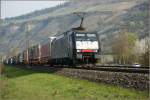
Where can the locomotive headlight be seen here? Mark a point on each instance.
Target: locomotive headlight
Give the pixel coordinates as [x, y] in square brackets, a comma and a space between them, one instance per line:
[95, 50]
[78, 50]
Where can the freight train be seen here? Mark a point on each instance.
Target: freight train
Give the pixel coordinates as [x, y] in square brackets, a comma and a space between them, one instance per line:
[69, 48]
[76, 46]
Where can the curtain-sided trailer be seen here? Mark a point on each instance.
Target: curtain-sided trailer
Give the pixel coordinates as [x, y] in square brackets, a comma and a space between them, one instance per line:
[46, 52]
[34, 55]
[39, 54]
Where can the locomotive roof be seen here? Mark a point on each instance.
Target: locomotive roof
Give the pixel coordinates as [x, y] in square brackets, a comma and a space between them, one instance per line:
[76, 31]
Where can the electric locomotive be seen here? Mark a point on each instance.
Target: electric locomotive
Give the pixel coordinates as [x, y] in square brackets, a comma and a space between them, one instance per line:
[75, 47]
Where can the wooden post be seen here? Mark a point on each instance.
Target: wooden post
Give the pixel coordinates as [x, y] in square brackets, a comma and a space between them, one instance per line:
[1, 66]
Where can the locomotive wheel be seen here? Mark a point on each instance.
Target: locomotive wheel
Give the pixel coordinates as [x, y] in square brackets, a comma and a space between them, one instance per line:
[74, 62]
[71, 63]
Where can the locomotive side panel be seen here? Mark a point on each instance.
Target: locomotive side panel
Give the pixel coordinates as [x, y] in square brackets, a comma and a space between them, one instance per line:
[71, 45]
[61, 49]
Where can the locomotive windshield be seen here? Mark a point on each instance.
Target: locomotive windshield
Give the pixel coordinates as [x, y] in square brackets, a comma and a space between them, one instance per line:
[86, 37]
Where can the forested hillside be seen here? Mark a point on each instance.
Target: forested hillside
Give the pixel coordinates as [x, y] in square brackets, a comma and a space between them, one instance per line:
[107, 17]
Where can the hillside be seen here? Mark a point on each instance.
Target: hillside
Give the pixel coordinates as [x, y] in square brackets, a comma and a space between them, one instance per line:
[107, 17]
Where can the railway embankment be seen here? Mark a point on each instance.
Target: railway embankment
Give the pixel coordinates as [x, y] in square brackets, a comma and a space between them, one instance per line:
[138, 81]
[125, 77]
[42, 84]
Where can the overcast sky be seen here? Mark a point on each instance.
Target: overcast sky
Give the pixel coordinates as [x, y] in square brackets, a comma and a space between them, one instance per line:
[17, 8]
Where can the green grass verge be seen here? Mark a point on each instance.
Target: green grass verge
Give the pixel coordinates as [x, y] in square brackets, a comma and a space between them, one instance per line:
[23, 84]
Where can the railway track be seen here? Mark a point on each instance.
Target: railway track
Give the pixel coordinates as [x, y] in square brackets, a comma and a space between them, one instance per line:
[128, 69]
[117, 69]
[100, 68]
[123, 66]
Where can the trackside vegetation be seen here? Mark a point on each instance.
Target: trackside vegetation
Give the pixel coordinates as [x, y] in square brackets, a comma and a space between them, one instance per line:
[25, 84]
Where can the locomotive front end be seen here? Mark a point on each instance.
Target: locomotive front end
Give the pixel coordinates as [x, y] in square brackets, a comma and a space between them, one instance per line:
[87, 47]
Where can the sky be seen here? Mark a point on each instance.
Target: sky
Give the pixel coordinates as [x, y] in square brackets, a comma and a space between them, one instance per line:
[17, 8]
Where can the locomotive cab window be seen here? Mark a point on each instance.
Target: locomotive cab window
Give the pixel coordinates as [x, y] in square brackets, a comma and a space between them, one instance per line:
[91, 37]
[86, 37]
[80, 36]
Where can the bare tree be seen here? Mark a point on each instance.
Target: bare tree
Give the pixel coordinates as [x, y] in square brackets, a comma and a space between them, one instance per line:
[144, 59]
[122, 47]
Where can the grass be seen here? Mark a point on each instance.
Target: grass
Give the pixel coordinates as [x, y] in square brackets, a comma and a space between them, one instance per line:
[24, 84]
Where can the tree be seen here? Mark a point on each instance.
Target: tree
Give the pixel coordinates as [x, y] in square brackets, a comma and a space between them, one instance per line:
[123, 46]
[144, 59]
